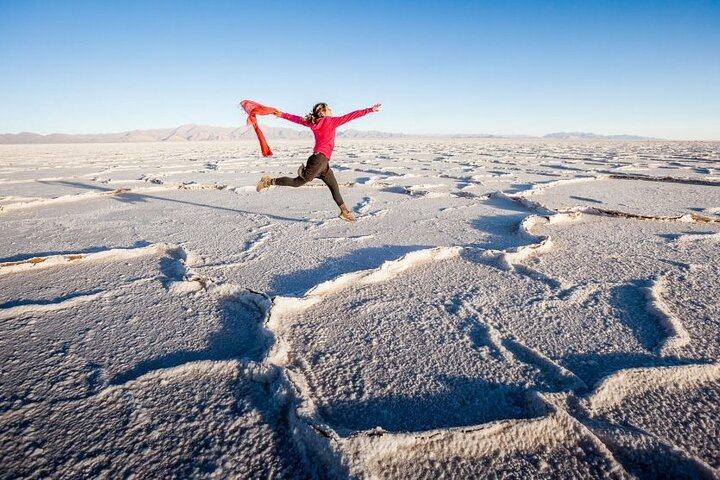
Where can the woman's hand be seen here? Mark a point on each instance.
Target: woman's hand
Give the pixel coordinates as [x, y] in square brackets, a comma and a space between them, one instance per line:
[277, 113]
[376, 107]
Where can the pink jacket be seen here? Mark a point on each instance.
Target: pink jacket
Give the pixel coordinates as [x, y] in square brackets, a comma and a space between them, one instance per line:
[324, 129]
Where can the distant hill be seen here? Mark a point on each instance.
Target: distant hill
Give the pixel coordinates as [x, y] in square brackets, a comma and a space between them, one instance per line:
[183, 133]
[595, 136]
[203, 133]
[351, 133]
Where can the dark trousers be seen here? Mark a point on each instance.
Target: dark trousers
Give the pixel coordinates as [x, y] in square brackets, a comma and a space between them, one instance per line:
[317, 166]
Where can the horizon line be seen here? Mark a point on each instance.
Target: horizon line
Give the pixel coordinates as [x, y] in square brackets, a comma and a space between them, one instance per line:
[424, 134]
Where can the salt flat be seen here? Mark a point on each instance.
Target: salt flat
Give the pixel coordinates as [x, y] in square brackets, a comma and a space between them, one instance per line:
[529, 308]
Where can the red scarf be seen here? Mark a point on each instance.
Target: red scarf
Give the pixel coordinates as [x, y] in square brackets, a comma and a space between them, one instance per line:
[253, 109]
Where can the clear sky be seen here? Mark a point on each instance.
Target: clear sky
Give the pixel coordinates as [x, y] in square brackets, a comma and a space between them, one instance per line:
[502, 67]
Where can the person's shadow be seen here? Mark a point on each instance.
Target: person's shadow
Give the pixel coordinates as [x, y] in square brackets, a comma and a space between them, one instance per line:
[136, 197]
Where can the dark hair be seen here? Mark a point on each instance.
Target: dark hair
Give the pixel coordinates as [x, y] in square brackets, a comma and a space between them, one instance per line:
[314, 116]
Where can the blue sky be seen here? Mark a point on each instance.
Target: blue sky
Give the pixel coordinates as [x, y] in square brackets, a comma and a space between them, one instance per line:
[502, 67]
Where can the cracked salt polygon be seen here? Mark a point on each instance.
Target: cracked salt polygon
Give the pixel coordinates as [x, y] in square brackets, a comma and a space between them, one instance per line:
[399, 346]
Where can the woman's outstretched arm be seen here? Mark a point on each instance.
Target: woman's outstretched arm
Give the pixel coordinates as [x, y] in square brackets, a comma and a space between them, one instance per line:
[337, 121]
[292, 118]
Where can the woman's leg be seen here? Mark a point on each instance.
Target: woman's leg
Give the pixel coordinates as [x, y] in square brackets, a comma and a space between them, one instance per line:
[315, 164]
[288, 182]
[329, 178]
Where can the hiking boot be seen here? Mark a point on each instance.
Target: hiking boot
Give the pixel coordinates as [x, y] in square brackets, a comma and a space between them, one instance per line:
[346, 214]
[264, 183]
[301, 171]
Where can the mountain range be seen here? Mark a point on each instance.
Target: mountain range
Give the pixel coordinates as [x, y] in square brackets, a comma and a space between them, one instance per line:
[595, 136]
[200, 133]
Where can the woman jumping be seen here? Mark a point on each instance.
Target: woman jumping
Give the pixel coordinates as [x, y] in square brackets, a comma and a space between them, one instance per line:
[323, 125]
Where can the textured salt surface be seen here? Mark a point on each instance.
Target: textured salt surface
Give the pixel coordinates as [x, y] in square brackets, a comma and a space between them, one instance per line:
[532, 309]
